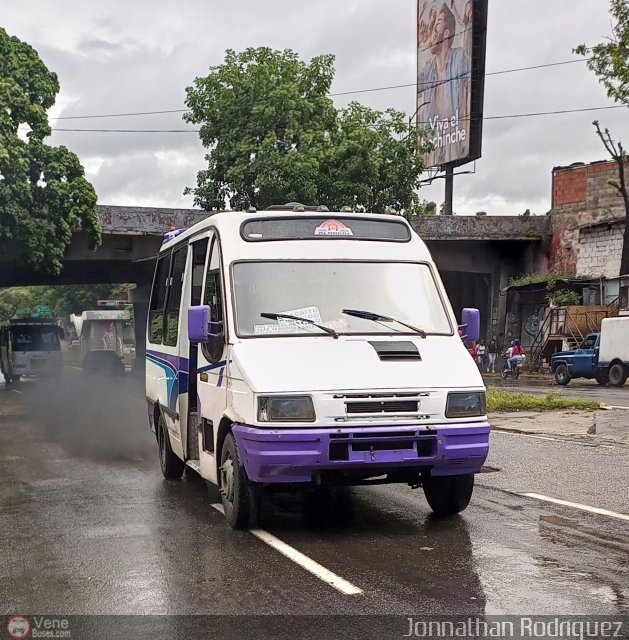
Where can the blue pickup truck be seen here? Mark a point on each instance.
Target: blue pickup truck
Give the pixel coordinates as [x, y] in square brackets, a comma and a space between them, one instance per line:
[580, 363]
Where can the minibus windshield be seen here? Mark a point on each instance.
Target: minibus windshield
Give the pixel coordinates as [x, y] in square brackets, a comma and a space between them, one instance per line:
[320, 292]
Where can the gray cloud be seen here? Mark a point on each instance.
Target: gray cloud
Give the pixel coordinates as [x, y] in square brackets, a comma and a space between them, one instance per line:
[140, 56]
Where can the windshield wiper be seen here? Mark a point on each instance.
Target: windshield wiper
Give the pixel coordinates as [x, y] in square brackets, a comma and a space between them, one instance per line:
[376, 317]
[275, 316]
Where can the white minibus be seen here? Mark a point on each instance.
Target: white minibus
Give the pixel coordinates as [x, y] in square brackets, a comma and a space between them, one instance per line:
[31, 347]
[303, 348]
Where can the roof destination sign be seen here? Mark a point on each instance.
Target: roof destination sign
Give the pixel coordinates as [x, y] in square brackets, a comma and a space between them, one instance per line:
[324, 228]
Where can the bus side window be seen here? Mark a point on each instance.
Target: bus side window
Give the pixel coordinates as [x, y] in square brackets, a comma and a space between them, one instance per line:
[173, 302]
[199, 252]
[214, 299]
[158, 300]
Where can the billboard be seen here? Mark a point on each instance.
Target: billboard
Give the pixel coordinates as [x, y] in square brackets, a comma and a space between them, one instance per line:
[451, 38]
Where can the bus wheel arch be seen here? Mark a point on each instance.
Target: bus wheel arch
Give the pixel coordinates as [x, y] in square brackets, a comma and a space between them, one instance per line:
[171, 465]
[239, 495]
[224, 427]
[157, 414]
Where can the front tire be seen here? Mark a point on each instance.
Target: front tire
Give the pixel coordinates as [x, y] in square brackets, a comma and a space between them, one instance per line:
[172, 467]
[561, 375]
[237, 492]
[448, 495]
[617, 376]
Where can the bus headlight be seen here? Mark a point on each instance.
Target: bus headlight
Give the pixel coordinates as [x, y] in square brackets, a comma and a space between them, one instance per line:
[285, 409]
[466, 405]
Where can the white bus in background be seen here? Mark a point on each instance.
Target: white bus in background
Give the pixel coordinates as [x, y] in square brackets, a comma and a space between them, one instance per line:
[306, 348]
[31, 347]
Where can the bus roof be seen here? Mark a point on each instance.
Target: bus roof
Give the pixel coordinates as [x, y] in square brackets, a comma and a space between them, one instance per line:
[309, 234]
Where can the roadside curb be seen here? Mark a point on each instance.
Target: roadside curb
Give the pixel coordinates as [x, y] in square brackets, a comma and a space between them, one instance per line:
[591, 437]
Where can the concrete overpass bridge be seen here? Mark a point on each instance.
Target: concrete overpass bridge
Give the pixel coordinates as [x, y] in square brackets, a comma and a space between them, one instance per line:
[476, 255]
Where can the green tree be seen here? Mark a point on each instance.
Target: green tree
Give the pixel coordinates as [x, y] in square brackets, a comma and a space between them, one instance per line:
[16, 299]
[273, 135]
[67, 299]
[426, 208]
[609, 60]
[44, 195]
[370, 162]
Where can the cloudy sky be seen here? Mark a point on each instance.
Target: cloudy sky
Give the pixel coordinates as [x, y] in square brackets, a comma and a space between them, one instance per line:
[124, 56]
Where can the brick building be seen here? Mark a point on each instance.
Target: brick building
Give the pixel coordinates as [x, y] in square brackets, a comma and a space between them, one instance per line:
[588, 224]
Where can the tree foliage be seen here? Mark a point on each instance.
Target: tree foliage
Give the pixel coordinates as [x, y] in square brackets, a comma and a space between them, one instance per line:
[44, 195]
[273, 136]
[14, 300]
[63, 300]
[609, 60]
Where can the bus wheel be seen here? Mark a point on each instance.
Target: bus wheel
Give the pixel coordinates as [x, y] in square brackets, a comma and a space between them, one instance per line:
[172, 467]
[448, 495]
[237, 492]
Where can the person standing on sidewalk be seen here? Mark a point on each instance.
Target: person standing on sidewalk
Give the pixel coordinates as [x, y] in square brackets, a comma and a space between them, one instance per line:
[481, 353]
[493, 354]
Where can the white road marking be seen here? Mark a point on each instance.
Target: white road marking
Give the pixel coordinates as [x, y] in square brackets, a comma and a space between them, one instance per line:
[576, 505]
[302, 560]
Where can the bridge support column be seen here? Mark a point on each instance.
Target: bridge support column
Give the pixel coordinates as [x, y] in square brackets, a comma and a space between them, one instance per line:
[140, 296]
[502, 305]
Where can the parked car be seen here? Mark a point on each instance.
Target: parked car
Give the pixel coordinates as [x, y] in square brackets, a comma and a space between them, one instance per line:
[601, 356]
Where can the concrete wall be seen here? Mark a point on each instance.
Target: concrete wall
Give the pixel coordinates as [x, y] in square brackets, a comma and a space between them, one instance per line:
[599, 251]
[147, 220]
[483, 227]
[582, 197]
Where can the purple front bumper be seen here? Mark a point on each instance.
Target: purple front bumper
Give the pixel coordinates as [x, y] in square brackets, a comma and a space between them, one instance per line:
[293, 455]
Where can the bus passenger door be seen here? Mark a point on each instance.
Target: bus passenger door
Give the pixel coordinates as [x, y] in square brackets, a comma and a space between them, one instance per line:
[212, 365]
[190, 351]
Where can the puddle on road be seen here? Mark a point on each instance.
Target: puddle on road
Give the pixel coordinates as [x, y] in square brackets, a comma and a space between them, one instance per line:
[560, 522]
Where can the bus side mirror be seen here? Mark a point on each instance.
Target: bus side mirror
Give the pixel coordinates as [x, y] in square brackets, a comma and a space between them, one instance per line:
[470, 325]
[199, 324]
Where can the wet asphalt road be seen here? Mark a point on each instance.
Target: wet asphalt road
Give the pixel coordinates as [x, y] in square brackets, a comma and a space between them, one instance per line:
[88, 525]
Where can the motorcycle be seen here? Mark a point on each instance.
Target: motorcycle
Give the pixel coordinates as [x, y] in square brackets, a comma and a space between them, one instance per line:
[516, 366]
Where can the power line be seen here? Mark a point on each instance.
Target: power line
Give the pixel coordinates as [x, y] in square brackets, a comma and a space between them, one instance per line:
[120, 115]
[502, 117]
[132, 130]
[331, 95]
[433, 44]
[492, 73]
[539, 113]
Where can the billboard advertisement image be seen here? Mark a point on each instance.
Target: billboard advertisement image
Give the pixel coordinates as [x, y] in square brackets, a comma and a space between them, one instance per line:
[450, 77]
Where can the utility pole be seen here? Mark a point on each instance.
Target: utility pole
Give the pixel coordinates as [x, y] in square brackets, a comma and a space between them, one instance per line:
[447, 209]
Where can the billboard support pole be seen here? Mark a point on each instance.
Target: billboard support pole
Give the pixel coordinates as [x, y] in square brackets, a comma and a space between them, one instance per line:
[447, 209]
